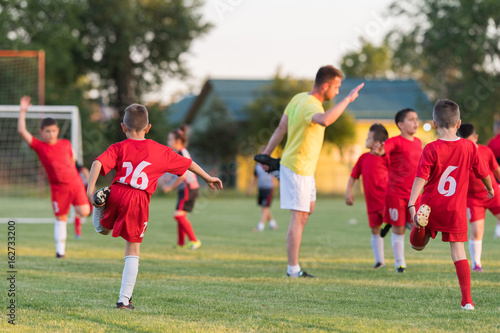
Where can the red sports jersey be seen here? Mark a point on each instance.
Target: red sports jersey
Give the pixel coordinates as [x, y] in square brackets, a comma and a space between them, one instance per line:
[374, 170]
[476, 187]
[139, 163]
[403, 156]
[494, 145]
[446, 166]
[57, 160]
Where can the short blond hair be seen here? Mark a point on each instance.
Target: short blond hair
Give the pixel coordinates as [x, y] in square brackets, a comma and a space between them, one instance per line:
[136, 117]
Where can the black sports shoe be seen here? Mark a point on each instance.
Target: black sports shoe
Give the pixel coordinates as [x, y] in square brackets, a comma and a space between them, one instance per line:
[101, 195]
[272, 163]
[385, 229]
[303, 274]
[129, 306]
[378, 265]
[60, 255]
[401, 269]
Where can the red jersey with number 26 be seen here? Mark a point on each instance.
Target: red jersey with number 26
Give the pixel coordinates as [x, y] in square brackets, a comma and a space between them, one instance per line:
[139, 163]
[446, 166]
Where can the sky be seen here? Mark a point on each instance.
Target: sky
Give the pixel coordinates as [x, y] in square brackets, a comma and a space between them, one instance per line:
[253, 39]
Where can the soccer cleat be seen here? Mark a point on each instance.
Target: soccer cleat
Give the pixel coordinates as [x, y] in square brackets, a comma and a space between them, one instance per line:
[385, 229]
[401, 269]
[302, 274]
[101, 195]
[477, 268]
[272, 163]
[62, 256]
[423, 215]
[129, 306]
[468, 306]
[193, 245]
[378, 265]
[178, 246]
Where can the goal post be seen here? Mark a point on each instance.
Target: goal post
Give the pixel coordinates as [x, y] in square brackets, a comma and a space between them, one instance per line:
[21, 172]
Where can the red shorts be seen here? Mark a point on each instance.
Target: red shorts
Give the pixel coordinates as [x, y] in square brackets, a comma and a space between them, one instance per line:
[396, 210]
[449, 236]
[127, 213]
[375, 219]
[64, 195]
[476, 208]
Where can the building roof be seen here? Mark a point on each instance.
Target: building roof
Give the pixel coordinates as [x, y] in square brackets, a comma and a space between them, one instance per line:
[379, 99]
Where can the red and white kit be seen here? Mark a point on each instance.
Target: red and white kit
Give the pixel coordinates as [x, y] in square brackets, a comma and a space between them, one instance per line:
[138, 165]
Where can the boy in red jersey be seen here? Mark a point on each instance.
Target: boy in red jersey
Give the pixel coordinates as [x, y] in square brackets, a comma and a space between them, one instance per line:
[374, 170]
[138, 163]
[443, 174]
[477, 201]
[402, 152]
[66, 186]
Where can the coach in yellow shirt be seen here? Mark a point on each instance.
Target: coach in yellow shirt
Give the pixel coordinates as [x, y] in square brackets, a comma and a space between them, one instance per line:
[305, 120]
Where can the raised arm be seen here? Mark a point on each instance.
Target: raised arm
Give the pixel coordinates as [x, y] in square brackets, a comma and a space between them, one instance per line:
[95, 169]
[332, 114]
[417, 188]
[213, 182]
[278, 135]
[21, 122]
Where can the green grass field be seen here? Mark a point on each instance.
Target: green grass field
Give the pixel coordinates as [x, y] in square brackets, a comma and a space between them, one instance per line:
[236, 281]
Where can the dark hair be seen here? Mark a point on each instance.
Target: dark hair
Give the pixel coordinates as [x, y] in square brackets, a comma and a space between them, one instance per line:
[379, 132]
[136, 117]
[48, 122]
[446, 113]
[466, 130]
[327, 73]
[401, 115]
[180, 134]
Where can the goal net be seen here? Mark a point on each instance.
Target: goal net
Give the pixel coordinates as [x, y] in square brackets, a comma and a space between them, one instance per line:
[21, 173]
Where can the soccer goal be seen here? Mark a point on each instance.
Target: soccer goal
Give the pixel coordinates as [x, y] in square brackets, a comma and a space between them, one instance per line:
[21, 173]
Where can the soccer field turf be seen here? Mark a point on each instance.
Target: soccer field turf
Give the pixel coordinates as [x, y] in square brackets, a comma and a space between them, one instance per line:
[236, 280]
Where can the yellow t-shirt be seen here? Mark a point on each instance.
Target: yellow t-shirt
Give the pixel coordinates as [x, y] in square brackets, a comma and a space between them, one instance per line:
[305, 138]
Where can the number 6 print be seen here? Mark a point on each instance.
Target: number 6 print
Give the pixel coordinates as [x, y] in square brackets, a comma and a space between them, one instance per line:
[446, 178]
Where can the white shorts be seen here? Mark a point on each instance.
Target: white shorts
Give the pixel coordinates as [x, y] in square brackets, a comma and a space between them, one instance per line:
[296, 191]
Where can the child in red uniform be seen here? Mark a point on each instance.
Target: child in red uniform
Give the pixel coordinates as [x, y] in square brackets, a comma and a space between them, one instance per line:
[477, 201]
[187, 194]
[402, 153]
[66, 187]
[138, 163]
[374, 170]
[443, 174]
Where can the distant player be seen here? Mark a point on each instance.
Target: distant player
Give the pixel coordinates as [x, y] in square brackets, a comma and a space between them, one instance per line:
[66, 187]
[494, 143]
[402, 153]
[374, 170]
[187, 186]
[265, 182]
[477, 201]
[443, 174]
[138, 163]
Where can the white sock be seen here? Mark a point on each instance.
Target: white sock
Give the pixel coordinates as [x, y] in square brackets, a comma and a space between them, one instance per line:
[130, 271]
[398, 248]
[97, 215]
[273, 224]
[293, 271]
[60, 234]
[377, 248]
[475, 249]
[261, 226]
[497, 231]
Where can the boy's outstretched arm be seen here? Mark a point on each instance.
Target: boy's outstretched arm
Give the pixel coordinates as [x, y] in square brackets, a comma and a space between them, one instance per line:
[21, 122]
[213, 182]
[95, 169]
[489, 188]
[349, 198]
[417, 188]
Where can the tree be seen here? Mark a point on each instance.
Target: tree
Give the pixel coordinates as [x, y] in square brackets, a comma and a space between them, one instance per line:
[370, 62]
[451, 47]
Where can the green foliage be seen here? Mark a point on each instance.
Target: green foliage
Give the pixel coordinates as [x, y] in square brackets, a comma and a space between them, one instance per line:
[370, 62]
[236, 281]
[342, 132]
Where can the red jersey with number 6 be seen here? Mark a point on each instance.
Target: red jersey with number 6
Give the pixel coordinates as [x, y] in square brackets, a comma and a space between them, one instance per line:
[139, 163]
[446, 166]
